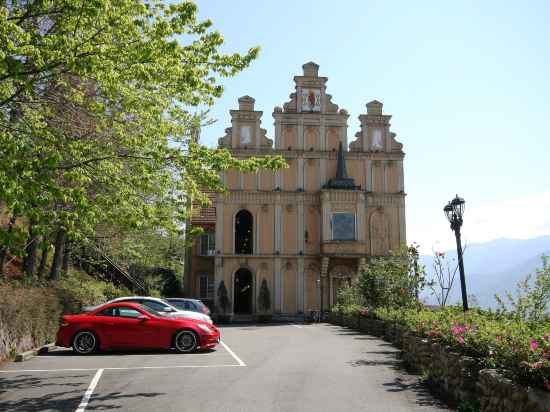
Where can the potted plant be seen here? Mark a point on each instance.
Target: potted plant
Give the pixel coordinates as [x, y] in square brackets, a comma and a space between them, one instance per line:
[264, 303]
[224, 304]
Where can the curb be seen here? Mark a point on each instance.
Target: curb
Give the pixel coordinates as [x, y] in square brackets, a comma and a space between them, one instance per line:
[23, 356]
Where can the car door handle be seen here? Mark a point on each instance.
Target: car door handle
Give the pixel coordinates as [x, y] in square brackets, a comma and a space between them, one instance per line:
[111, 323]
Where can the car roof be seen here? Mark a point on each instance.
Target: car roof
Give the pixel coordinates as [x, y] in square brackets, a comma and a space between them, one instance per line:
[126, 298]
[117, 305]
[183, 299]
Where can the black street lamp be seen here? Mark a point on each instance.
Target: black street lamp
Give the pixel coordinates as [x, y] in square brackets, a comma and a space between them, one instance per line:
[454, 211]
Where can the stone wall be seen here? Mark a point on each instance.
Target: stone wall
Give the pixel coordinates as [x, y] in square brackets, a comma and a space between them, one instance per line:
[460, 378]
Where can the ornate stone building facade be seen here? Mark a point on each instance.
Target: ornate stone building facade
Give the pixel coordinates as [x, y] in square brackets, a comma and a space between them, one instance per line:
[309, 228]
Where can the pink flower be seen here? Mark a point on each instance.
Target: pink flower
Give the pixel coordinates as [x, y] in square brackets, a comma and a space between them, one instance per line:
[460, 340]
[534, 344]
[458, 329]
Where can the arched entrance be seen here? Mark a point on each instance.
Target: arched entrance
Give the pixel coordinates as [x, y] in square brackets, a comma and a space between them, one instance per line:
[242, 292]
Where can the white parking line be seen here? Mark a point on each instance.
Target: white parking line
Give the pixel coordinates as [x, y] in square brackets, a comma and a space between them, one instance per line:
[241, 363]
[89, 391]
[297, 326]
[123, 369]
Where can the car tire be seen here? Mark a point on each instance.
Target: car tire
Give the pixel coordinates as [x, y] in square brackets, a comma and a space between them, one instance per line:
[85, 342]
[186, 341]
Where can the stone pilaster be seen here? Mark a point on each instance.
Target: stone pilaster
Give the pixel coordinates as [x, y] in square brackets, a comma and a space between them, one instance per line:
[322, 171]
[300, 286]
[278, 286]
[301, 183]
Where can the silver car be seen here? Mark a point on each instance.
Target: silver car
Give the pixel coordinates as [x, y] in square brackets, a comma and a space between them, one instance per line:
[157, 304]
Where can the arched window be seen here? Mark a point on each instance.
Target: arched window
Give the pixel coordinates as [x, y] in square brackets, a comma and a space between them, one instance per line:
[243, 233]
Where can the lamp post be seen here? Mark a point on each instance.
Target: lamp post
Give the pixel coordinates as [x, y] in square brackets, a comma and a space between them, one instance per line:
[454, 210]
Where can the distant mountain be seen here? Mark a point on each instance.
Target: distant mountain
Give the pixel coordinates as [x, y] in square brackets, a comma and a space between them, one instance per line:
[493, 267]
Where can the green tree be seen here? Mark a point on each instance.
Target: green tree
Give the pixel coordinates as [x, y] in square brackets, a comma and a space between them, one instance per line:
[394, 280]
[531, 302]
[99, 118]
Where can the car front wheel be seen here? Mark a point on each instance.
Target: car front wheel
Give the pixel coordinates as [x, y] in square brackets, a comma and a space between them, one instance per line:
[85, 342]
[186, 341]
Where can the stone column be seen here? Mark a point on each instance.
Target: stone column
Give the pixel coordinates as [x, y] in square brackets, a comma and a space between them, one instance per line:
[361, 219]
[368, 175]
[322, 171]
[218, 277]
[219, 222]
[322, 135]
[301, 226]
[278, 225]
[300, 286]
[277, 286]
[385, 176]
[300, 165]
[300, 131]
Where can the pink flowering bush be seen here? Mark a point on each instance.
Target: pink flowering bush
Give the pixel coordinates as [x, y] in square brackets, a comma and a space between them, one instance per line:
[520, 351]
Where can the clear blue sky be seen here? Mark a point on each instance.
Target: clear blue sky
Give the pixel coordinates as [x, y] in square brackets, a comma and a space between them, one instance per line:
[467, 83]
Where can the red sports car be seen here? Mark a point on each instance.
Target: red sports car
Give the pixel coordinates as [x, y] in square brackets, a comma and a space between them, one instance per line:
[126, 325]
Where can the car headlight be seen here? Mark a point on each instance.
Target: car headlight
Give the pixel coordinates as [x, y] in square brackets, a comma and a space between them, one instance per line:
[205, 328]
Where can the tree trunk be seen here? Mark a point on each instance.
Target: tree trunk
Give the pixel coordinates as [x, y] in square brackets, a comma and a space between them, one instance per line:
[66, 258]
[4, 248]
[29, 261]
[43, 259]
[60, 239]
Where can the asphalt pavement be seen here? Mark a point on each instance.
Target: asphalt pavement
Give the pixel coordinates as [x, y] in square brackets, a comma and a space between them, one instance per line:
[279, 367]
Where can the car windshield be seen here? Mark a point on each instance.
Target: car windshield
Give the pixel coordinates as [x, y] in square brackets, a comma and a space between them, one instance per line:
[151, 310]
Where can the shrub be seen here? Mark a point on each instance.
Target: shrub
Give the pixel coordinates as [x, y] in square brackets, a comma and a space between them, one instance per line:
[29, 317]
[532, 300]
[30, 313]
[519, 350]
[393, 280]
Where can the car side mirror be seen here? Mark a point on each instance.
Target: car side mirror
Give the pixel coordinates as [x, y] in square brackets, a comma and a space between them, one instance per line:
[143, 317]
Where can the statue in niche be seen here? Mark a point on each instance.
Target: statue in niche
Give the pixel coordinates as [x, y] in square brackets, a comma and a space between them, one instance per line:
[311, 100]
[377, 141]
[246, 135]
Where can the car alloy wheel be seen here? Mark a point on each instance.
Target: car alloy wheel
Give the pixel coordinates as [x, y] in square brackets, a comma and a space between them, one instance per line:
[186, 341]
[85, 343]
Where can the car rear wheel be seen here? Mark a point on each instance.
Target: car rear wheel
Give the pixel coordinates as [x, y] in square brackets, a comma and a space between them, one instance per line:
[186, 341]
[85, 342]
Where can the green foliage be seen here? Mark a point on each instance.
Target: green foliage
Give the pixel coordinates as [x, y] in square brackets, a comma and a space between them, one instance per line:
[30, 311]
[393, 280]
[520, 350]
[469, 406]
[99, 119]
[223, 298]
[78, 289]
[264, 298]
[532, 300]
[349, 300]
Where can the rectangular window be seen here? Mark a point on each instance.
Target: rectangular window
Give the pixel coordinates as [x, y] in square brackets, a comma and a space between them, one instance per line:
[207, 244]
[206, 286]
[343, 226]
